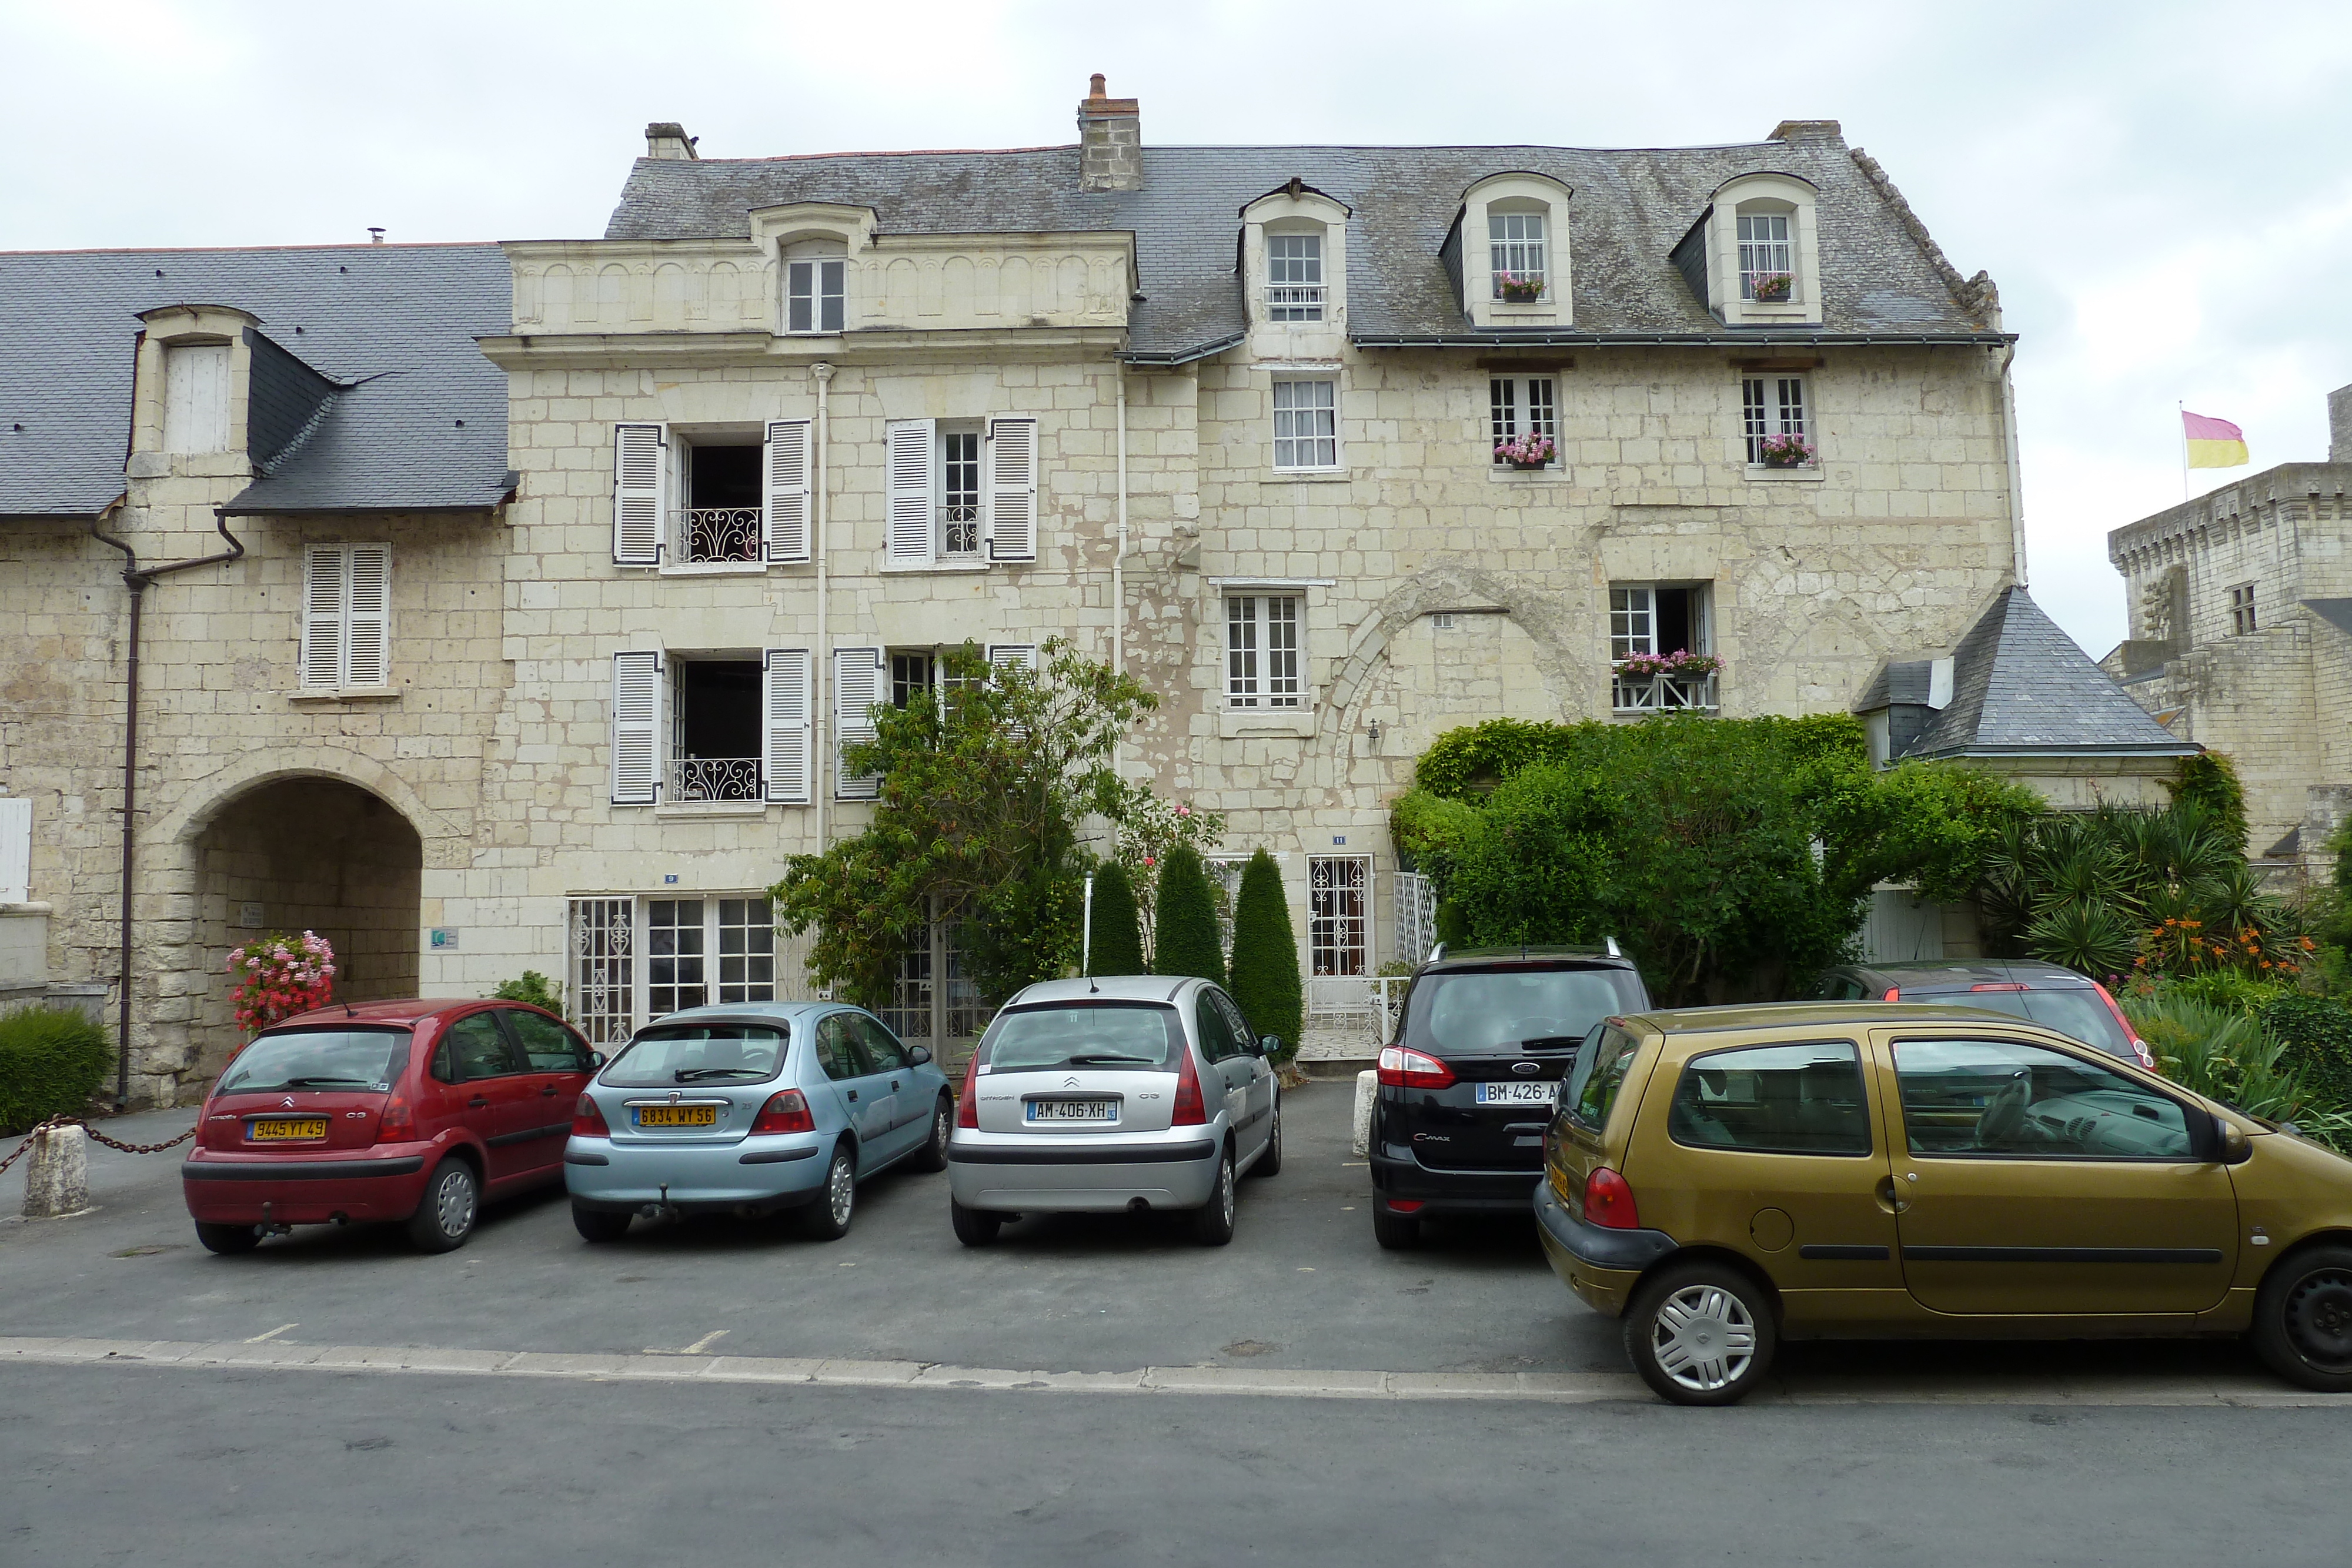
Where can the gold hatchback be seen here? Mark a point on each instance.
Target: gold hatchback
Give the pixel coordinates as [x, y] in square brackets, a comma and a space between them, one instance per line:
[1728, 1177]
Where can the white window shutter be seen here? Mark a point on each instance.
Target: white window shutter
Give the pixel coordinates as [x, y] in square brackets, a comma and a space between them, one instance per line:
[323, 568]
[785, 728]
[1012, 488]
[788, 489]
[367, 609]
[15, 848]
[640, 465]
[637, 728]
[857, 686]
[912, 443]
[1015, 656]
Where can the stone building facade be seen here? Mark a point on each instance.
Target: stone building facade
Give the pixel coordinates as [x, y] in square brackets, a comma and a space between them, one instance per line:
[2241, 639]
[793, 426]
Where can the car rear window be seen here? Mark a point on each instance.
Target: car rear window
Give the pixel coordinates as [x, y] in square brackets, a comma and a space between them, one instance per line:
[1504, 1010]
[2075, 1011]
[700, 1053]
[1598, 1075]
[1137, 1036]
[1774, 1100]
[367, 1060]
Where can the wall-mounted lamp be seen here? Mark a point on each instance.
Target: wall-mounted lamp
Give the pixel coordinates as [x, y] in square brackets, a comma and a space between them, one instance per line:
[1373, 728]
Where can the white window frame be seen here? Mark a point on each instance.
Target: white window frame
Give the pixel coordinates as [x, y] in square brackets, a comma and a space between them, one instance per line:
[816, 286]
[1523, 406]
[1318, 445]
[1265, 650]
[1294, 275]
[945, 502]
[1633, 629]
[346, 637]
[1775, 402]
[1766, 254]
[1517, 242]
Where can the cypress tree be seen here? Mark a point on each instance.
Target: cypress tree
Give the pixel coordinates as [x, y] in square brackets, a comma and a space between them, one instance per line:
[1118, 933]
[1265, 956]
[1187, 919]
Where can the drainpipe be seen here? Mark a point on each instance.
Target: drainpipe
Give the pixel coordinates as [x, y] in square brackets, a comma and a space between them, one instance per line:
[1119, 557]
[136, 578]
[2016, 482]
[820, 683]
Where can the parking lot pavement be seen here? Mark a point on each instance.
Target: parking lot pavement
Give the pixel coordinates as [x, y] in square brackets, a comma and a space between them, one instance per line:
[1301, 1288]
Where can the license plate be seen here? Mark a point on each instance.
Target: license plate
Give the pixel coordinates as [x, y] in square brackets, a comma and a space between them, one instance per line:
[1539, 1094]
[272, 1128]
[1073, 1110]
[677, 1115]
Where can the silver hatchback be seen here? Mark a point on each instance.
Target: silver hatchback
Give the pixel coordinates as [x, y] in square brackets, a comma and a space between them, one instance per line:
[1097, 1095]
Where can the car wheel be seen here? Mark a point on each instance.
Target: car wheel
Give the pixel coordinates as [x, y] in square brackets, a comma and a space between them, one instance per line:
[1701, 1334]
[452, 1201]
[1213, 1222]
[1269, 1161]
[827, 1218]
[1395, 1232]
[933, 1156]
[973, 1227]
[228, 1239]
[2302, 1319]
[599, 1224]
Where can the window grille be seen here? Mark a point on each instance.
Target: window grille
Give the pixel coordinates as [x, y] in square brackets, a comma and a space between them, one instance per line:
[1262, 666]
[603, 969]
[1293, 277]
[1763, 251]
[1338, 912]
[1516, 245]
[1306, 424]
[1771, 405]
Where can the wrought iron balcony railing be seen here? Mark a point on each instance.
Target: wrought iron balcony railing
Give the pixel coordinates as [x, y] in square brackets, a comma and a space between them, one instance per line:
[714, 778]
[707, 536]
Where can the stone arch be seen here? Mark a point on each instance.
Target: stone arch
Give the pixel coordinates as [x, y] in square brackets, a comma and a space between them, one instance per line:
[217, 790]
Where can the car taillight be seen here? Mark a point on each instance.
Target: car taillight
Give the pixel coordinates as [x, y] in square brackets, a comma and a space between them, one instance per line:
[2140, 1047]
[968, 1102]
[1191, 1110]
[587, 1122]
[1894, 994]
[1609, 1201]
[785, 1112]
[397, 1122]
[1402, 1068]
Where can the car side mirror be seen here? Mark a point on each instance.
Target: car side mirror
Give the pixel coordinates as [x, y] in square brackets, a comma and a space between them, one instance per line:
[2231, 1147]
[1268, 1044]
[918, 1055]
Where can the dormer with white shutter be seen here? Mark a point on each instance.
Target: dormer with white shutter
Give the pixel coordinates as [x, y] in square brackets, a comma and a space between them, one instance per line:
[189, 402]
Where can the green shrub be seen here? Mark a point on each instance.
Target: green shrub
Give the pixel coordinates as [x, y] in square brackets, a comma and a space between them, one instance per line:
[2207, 784]
[52, 1060]
[535, 988]
[2220, 1053]
[1185, 923]
[1117, 938]
[1265, 957]
[2232, 989]
[2317, 1034]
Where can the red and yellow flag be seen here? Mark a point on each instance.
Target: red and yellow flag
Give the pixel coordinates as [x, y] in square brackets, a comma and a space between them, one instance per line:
[2214, 443]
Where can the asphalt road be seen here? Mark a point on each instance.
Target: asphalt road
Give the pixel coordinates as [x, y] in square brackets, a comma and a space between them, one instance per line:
[1976, 1453]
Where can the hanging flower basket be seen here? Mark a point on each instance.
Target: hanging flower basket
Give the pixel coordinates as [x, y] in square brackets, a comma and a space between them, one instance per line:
[1772, 288]
[1527, 451]
[1520, 287]
[1681, 663]
[1784, 451]
[277, 976]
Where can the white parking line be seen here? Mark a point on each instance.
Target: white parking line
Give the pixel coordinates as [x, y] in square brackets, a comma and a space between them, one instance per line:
[273, 1334]
[690, 1366]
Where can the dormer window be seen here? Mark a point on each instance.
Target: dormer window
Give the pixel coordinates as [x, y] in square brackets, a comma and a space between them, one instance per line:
[1515, 242]
[1765, 273]
[1294, 277]
[813, 294]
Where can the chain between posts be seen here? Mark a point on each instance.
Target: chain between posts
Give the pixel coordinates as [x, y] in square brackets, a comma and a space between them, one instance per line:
[95, 1137]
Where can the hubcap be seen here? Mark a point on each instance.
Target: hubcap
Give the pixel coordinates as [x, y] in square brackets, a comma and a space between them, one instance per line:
[2319, 1320]
[1703, 1338]
[940, 1130]
[841, 1189]
[454, 1203]
[1225, 1190]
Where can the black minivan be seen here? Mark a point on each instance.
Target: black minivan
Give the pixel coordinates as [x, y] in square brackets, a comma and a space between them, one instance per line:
[1467, 1087]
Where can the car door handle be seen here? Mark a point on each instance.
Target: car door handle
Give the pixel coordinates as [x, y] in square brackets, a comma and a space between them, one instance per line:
[548, 1089]
[894, 1083]
[851, 1093]
[1889, 1197]
[476, 1103]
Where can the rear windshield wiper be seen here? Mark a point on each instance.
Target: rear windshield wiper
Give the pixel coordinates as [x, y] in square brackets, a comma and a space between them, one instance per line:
[688, 1074]
[1097, 1060]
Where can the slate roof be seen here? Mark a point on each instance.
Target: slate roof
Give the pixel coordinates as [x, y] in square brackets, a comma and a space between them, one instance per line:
[2020, 686]
[1628, 211]
[1908, 682]
[386, 333]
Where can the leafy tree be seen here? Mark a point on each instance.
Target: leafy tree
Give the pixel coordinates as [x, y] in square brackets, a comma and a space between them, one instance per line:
[1265, 956]
[1187, 943]
[982, 794]
[534, 989]
[2209, 783]
[1147, 829]
[1118, 947]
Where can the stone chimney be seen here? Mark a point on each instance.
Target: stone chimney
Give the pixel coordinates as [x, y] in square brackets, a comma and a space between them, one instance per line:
[2339, 425]
[1795, 131]
[1111, 142]
[667, 139]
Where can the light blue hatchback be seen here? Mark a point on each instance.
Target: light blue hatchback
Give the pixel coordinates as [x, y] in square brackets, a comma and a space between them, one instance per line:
[750, 1108]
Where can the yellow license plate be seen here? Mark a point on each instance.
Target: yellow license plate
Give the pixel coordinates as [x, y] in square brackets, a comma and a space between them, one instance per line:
[274, 1127]
[677, 1115]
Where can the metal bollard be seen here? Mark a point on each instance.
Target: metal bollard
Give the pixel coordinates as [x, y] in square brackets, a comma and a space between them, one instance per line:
[57, 1178]
[1367, 1086]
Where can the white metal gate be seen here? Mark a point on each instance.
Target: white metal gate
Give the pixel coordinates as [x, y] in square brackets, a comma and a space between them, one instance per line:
[604, 968]
[1416, 917]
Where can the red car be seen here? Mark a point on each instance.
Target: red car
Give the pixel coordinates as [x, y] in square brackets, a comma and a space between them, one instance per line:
[415, 1112]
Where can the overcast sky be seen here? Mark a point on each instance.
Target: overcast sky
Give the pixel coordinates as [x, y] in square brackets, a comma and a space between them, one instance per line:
[2163, 192]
